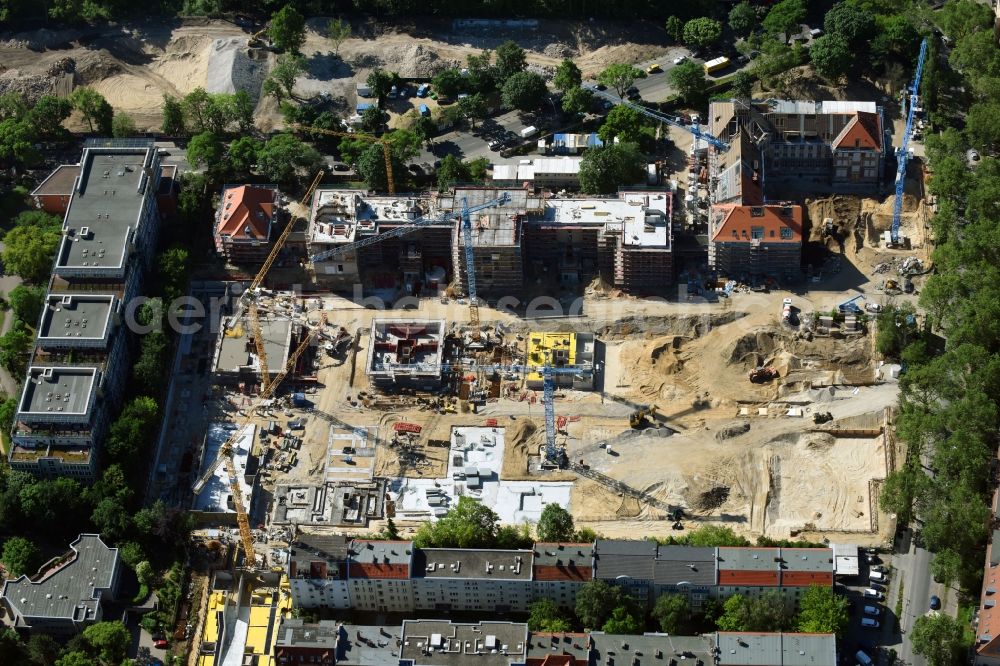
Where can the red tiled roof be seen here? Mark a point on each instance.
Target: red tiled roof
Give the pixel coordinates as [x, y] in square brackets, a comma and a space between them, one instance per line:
[562, 572]
[806, 578]
[750, 578]
[742, 219]
[373, 570]
[247, 212]
[863, 131]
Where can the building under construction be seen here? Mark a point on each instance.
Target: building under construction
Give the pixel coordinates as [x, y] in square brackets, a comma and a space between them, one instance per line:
[561, 350]
[405, 353]
[235, 359]
[625, 239]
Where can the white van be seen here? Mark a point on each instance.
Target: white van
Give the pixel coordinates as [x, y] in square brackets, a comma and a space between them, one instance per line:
[872, 593]
[869, 623]
[874, 611]
[863, 658]
[878, 576]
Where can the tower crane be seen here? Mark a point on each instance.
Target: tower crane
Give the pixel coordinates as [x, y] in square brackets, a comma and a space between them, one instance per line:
[903, 152]
[251, 292]
[386, 148]
[258, 341]
[225, 455]
[693, 129]
[470, 265]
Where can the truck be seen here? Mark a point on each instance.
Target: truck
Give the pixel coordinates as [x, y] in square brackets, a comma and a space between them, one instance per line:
[530, 130]
[423, 89]
[716, 64]
[424, 111]
[363, 90]
[652, 174]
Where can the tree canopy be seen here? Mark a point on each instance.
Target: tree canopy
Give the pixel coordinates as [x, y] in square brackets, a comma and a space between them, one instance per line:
[338, 31]
[785, 17]
[545, 616]
[689, 79]
[823, 611]
[620, 77]
[567, 76]
[469, 524]
[673, 613]
[94, 109]
[30, 247]
[288, 29]
[603, 170]
[555, 524]
[524, 91]
[20, 556]
[702, 32]
[940, 639]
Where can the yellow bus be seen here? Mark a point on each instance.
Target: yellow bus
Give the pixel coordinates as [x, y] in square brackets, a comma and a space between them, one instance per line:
[716, 64]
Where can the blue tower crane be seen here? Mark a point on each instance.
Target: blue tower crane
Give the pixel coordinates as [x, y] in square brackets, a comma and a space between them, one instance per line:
[903, 152]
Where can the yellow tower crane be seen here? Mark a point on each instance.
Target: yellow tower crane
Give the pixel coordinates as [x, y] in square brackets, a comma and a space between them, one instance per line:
[258, 341]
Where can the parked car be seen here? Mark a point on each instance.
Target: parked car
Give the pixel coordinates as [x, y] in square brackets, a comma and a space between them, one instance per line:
[869, 623]
[654, 68]
[679, 59]
[935, 603]
[878, 576]
[874, 611]
[863, 658]
[872, 593]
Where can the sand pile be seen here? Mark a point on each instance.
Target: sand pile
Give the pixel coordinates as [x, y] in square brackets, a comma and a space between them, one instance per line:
[409, 60]
[752, 349]
[31, 86]
[231, 69]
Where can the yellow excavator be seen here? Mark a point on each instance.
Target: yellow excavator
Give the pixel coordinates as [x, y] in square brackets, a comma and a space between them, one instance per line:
[640, 417]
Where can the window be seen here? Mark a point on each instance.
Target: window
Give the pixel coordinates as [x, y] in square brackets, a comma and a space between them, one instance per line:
[756, 232]
[756, 211]
[786, 233]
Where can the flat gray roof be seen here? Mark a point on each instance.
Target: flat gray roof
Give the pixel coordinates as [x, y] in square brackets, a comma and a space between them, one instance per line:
[440, 642]
[294, 632]
[381, 552]
[749, 559]
[58, 392]
[807, 559]
[558, 554]
[368, 645]
[541, 645]
[756, 649]
[107, 203]
[70, 591]
[237, 351]
[616, 558]
[677, 564]
[75, 316]
[650, 649]
[472, 563]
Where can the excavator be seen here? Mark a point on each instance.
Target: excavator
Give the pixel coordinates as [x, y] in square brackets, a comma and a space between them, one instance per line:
[640, 417]
[762, 374]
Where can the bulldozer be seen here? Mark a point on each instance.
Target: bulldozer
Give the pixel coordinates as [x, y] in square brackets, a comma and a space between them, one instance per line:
[640, 417]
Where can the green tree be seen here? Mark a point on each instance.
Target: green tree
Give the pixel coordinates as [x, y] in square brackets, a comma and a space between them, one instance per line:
[15, 345]
[372, 120]
[131, 553]
[482, 73]
[623, 621]
[48, 115]
[110, 639]
[769, 612]
[122, 125]
[940, 639]
[338, 31]
[964, 17]
[716, 536]
[577, 100]
[545, 616]
[451, 171]
[287, 69]
[26, 302]
[620, 77]
[448, 83]
[595, 601]
[75, 658]
[832, 56]
[206, 150]
[132, 432]
[689, 80]
[111, 518]
[391, 531]
[743, 84]
[288, 29]
[624, 123]
[379, 82]
[568, 76]
[743, 18]
[524, 91]
[473, 108]
[852, 22]
[195, 105]
[243, 154]
[283, 156]
[510, 60]
[604, 169]
[477, 169]
[785, 17]
[43, 650]
[20, 556]
[823, 611]
[675, 28]
[555, 524]
[173, 116]
[29, 252]
[673, 613]
[946, 567]
[94, 109]
[981, 126]
[702, 32]
[469, 524]
[151, 365]
[8, 408]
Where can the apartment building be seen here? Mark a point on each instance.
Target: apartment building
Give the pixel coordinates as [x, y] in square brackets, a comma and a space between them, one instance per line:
[452, 579]
[67, 594]
[559, 569]
[379, 576]
[80, 363]
[317, 571]
[548, 172]
[755, 240]
[686, 570]
[53, 194]
[628, 564]
[298, 642]
[754, 571]
[245, 222]
[987, 647]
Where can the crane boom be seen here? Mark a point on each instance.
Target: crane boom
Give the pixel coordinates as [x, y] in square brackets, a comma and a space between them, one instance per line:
[470, 267]
[258, 279]
[258, 341]
[403, 230]
[903, 152]
[693, 129]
